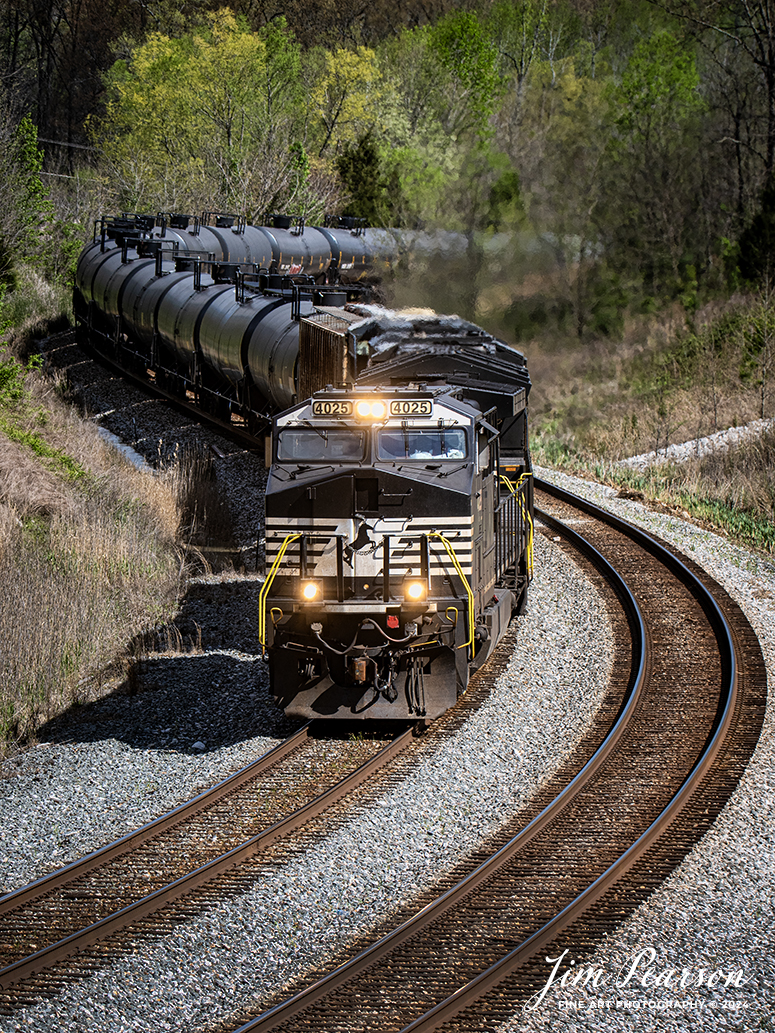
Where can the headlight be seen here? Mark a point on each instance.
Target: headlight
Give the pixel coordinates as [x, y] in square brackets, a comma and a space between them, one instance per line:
[371, 409]
[415, 590]
[311, 590]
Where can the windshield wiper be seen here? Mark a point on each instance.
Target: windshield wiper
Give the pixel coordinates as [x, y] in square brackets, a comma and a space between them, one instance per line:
[304, 467]
[447, 473]
[321, 433]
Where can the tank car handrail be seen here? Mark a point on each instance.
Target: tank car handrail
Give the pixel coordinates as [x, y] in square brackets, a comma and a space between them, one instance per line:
[160, 251]
[237, 225]
[356, 225]
[245, 278]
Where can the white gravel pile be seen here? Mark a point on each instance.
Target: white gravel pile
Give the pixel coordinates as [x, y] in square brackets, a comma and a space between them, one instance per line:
[298, 912]
[716, 913]
[699, 447]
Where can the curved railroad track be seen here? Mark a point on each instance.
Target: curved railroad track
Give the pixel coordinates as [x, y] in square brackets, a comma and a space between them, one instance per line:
[76, 920]
[51, 921]
[594, 845]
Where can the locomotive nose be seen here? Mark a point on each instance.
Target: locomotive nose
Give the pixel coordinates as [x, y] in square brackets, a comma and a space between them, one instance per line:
[362, 539]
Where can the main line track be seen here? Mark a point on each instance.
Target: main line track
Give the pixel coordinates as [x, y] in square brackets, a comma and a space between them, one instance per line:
[79, 918]
[664, 753]
[54, 919]
[589, 855]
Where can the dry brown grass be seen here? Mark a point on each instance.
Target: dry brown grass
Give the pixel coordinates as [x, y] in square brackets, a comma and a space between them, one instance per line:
[662, 386]
[616, 398]
[93, 556]
[75, 587]
[26, 487]
[742, 476]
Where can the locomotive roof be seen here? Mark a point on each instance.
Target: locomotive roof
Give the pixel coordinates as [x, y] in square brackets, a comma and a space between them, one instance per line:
[385, 329]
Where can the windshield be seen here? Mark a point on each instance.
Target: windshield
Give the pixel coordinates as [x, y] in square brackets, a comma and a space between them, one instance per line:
[319, 444]
[438, 443]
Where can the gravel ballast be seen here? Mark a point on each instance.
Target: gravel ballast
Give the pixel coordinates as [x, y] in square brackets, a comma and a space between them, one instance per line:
[125, 759]
[716, 912]
[698, 448]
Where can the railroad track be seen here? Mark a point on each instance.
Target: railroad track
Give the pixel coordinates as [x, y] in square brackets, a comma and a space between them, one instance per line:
[45, 926]
[594, 846]
[78, 919]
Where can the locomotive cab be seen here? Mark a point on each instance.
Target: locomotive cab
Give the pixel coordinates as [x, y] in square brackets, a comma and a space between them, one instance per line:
[386, 583]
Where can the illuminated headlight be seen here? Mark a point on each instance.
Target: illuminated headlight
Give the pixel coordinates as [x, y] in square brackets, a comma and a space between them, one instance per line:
[415, 590]
[371, 409]
[311, 590]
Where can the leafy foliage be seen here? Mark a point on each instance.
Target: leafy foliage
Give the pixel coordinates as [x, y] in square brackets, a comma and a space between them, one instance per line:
[467, 54]
[346, 89]
[654, 109]
[373, 191]
[208, 119]
[19, 416]
[631, 150]
[25, 205]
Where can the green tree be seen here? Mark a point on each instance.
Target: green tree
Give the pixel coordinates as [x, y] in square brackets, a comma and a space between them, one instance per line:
[345, 96]
[750, 28]
[439, 88]
[647, 216]
[519, 32]
[411, 127]
[211, 118]
[564, 135]
[373, 190]
[26, 208]
[467, 54]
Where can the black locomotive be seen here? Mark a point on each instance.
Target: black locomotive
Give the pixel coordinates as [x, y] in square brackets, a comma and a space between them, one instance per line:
[399, 503]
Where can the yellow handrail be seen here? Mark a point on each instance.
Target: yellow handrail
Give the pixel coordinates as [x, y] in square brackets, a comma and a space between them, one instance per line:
[267, 585]
[514, 489]
[451, 553]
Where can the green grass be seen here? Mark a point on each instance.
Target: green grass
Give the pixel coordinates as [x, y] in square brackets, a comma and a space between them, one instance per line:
[684, 489]
[18, 412]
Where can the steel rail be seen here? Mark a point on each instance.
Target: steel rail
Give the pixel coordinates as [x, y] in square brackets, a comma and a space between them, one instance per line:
[56, 952]
[369, 957]
[76, 869]
[496, 973]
